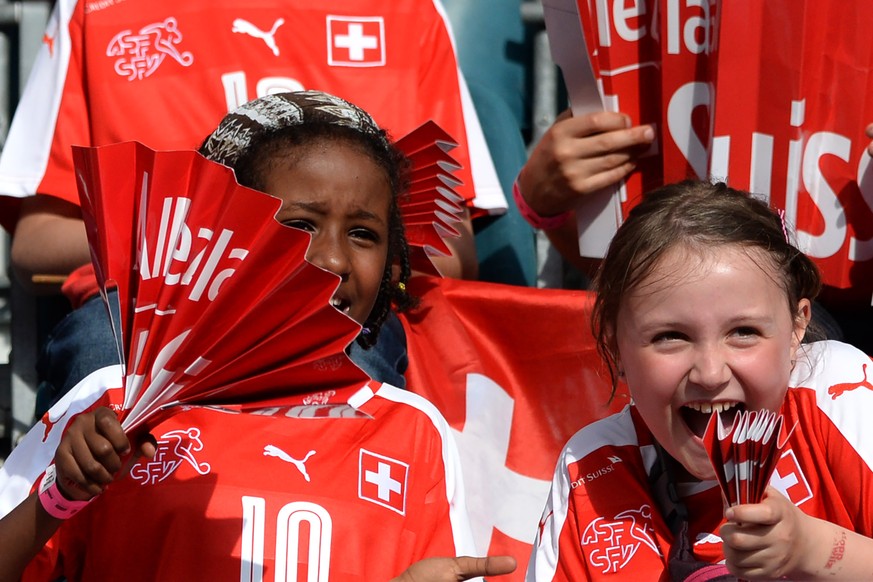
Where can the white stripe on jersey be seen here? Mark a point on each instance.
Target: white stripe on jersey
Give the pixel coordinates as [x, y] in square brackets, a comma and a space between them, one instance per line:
[616, 430]
[487, 191]
[32, 455]
[822, 365]
[461, 528]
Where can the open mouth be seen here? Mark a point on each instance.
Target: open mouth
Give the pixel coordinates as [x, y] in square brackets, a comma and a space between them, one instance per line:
[697, 414]
[341, 304]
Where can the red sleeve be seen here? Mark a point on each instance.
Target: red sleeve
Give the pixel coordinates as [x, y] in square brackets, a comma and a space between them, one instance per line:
[441, 92]
[52, 114]
[443, 99]
[73, 119]
[45, 566]
[36, 157]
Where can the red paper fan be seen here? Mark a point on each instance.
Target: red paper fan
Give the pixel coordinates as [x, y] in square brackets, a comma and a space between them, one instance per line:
[745, 453]
[431, 208]
[217, 302]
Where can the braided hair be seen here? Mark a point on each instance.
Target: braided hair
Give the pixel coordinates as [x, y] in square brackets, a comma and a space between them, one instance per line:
[269, 131]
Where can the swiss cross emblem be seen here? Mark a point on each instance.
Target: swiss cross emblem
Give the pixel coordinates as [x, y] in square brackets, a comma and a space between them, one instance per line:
[355, 41]
[382, 480]
[789, 480]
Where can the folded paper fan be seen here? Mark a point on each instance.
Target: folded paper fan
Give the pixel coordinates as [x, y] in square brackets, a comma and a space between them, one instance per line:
[430, 208]
[217, 302]
[745, 453]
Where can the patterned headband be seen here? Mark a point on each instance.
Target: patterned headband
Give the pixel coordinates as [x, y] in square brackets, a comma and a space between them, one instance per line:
[257, 118]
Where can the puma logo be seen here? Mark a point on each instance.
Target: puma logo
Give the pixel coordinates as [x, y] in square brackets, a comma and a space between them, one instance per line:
[246, 27]
[542, 524]
[839, 389]
[272, 451]
[50, 424]
[49, 41]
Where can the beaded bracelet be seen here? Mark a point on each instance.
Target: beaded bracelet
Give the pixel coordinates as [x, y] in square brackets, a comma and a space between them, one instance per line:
[531, 216]
[55, 504]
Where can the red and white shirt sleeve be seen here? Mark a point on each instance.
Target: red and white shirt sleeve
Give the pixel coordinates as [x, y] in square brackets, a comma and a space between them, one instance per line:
[828, 469]
[53, 92]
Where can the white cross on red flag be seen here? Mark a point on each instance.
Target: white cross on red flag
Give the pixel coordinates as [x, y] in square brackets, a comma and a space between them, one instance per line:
[515, 372]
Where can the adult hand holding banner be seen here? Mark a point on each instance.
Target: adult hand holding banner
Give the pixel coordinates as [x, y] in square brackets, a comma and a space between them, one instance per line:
[600, 216]
[758, 93]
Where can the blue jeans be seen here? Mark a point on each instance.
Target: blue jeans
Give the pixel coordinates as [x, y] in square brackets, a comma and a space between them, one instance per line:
[387, 360]
[79, 344]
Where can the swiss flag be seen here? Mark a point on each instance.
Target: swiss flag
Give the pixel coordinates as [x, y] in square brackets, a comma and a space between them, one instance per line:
[790, 480]
[515, 372]
[382, 480]
[357, 41]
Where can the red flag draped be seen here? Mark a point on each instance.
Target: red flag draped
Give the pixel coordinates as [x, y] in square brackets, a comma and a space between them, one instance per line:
[516, 373]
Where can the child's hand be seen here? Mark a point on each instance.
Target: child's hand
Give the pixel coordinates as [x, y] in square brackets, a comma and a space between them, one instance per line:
[578, 156]
[92, 450]
[453, 569]
[765, 540]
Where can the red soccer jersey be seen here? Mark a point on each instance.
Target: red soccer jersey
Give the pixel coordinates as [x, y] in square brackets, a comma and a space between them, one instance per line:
[315, 491]
[165, 73]
[601, 521]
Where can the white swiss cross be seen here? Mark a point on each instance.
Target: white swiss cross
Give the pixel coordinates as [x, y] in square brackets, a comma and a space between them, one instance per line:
[788, 479]
[783, 484]
[355, 41]
[498, 498]
[383, 481]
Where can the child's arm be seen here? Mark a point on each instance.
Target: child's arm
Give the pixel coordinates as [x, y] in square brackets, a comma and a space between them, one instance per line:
[774, 538]
[88, 456]
[23, 532]
[574, 159]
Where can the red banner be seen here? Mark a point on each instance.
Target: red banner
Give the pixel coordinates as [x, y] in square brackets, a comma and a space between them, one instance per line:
[515, 372]
[794, 96]
[760, 93]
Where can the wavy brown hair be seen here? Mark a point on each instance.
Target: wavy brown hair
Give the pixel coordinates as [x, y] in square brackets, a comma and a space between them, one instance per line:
[698, 215]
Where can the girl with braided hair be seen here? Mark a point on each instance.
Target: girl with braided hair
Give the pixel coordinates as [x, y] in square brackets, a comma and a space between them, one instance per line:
[273, 491]
[277, 144]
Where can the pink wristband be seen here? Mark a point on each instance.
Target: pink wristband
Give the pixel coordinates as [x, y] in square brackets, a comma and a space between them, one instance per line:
[534, 219]
[55, 504]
